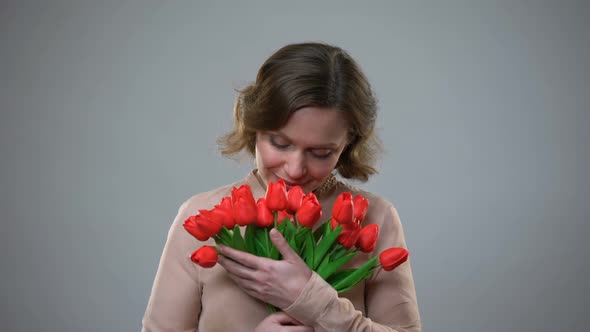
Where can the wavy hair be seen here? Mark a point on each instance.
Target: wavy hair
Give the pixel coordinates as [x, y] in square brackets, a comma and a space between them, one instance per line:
[303, 75]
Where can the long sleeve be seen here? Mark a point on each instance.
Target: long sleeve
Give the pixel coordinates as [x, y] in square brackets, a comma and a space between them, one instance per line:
[390, 297]
[175, 300]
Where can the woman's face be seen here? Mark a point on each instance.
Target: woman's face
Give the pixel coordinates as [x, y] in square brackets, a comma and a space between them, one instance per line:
[305, 151]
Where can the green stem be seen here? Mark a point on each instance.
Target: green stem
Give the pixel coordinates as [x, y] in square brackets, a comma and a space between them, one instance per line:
[271, 308]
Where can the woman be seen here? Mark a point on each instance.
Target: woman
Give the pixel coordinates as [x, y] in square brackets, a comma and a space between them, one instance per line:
[309, 115]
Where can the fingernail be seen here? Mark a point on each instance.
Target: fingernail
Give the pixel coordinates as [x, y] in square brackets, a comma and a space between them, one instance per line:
[274, 232]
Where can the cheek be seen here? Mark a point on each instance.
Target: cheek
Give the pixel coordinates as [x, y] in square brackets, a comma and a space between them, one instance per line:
[322, 169]
[267, 157]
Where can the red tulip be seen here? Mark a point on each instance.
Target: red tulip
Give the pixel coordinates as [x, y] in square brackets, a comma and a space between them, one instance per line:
[310, 211]
[190, 224]
[392, 257]
[361, 205]
[368, 238]
[282, 215]
[294, 199]
[265, 217]
[224, 213]
[244, 205]
[210, 222]
[202, 226]
[349, 234]
[276, 196]
[343, 208]
[206, 256]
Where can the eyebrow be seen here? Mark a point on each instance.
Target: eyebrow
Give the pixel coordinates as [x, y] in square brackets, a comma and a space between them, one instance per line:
[333, 146]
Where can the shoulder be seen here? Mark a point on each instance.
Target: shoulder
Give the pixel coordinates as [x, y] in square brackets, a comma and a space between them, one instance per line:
[206, 200]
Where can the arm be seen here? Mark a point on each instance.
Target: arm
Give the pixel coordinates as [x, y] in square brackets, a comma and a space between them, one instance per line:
[174, 303]
[390, 296]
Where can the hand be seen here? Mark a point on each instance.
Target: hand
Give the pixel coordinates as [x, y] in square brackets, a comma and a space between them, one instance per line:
[275, 282]
[279, 322]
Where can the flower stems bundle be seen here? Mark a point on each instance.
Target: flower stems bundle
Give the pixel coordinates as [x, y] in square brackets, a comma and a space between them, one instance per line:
[294, 213]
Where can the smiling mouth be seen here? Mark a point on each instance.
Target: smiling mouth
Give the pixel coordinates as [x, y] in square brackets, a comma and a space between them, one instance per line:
[290, 184]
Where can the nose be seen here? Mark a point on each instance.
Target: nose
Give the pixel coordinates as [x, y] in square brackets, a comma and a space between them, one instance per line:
[295, 167]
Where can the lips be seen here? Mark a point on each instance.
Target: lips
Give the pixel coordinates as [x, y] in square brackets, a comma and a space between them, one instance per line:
[289, 183]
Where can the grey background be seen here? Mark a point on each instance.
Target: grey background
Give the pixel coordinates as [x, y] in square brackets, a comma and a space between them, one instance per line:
[110, 110]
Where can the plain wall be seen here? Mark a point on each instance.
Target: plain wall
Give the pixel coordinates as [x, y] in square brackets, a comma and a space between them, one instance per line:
[110, 111]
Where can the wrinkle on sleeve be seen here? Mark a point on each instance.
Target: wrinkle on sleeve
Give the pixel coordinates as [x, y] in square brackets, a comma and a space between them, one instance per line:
[390, 297]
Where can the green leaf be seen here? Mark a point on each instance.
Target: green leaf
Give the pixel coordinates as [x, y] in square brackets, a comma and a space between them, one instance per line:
[342, 290]
[260, 248]
[238, 240]
[289, 229]
[286, 219]
[262, 238]
[249, 238]
[328, 269]
[272, 309]
[336, 277]
[281, 227]
[357, 276]
[325, 244]
[339, 252]
[308, 249]
[319, 232]
[293, 244]
[290, 232]
[273, 252]
[300, 237]
[225, 237]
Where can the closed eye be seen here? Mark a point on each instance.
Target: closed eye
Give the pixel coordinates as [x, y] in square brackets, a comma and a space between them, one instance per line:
[278, 145]
[322, 154]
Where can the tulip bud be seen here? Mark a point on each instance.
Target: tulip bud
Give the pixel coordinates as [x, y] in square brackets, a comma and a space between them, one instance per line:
[224, 213]
[209, 223]
[276, 196]
[244, 205]
[349, 234]
[265, 217]
[190, 224]
[206, 256]
[361, 204]
[310, 211]
[343, 209]
[202, 226]
[294, 199]
[393, 257]
[283, 215]
[368, 238]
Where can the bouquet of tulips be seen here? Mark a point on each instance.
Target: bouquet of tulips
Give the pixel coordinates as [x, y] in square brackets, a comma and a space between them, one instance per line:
[294, 214]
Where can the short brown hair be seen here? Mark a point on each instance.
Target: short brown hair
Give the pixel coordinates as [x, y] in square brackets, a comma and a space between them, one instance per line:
[303, 75]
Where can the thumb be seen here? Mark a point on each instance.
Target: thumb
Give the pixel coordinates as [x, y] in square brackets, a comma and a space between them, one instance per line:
[282, 245]
[282, 318]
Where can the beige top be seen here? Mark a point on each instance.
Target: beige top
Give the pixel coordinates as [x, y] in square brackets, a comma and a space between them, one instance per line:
[186, 297]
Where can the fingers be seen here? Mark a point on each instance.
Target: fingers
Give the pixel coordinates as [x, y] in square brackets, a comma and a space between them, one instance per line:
[235, 268]
[300, 329]
[280, 321]
[282, 318]
[242, 257]
[289, 323]
[245, 285]
[283, 246]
